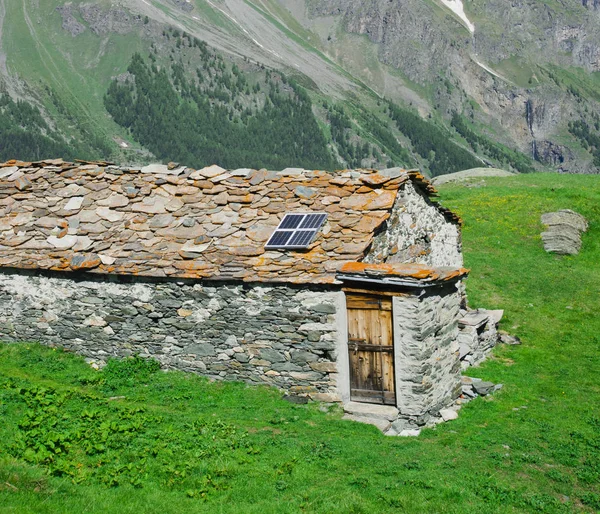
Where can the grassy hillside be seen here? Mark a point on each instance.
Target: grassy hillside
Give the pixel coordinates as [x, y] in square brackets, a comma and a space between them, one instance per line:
[131, 439]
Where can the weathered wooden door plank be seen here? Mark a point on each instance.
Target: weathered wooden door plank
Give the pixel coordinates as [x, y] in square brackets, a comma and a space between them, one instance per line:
[370, 347]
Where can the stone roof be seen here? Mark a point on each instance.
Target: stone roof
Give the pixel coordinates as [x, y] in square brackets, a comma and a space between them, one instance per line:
[173, 221]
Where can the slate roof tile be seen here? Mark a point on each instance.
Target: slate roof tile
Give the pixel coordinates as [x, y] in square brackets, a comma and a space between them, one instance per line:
[170, 220]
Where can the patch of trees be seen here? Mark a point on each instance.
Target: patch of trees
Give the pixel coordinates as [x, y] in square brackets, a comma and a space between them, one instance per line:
[507, 157]
[588, 138]
[340, 126]
[389, 143]
[207, 120]
[431, 143]
[353, 150]
[25, 135]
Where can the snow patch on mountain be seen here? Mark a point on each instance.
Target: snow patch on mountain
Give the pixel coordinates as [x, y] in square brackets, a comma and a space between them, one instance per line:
[456, 6]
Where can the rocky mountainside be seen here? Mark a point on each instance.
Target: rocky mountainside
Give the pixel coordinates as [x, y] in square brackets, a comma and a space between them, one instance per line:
[439, 84]
[525, 69]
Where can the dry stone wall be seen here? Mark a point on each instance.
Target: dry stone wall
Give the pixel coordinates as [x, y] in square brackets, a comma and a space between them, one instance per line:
[426, 354]
[478, 335]
[281, 336]
[417, 232]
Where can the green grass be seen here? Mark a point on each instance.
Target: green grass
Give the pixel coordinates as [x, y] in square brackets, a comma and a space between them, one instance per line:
[212, 15]
[576, 79]
[178, 443]
[518, 70]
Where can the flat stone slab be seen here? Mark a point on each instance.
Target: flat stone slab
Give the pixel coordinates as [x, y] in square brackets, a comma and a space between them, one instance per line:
[162, 169]
[371, 410]
[483, 388]
[410, 433]
[392, 173]
[8, 171]
[507, 338]
[474, 318]
[382, 424]
[291, 171]
[496, 315]
[241, 172]
[565, 217]
[448, 414]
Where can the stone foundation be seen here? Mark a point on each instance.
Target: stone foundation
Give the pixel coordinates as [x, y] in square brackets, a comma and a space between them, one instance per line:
[281, 336]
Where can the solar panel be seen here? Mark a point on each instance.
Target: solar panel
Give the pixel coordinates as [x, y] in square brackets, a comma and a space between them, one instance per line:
[302, 238]
[296, 231]
[280, 237]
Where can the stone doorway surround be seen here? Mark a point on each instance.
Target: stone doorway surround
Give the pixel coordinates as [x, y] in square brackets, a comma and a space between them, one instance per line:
[425, 313]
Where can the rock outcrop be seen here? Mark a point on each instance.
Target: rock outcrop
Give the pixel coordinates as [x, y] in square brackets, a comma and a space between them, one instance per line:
[508, 43]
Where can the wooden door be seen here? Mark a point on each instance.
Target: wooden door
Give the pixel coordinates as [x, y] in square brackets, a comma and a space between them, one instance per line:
[371, 348]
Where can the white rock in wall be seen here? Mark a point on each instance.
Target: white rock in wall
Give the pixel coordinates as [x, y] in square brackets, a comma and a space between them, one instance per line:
[95, 321]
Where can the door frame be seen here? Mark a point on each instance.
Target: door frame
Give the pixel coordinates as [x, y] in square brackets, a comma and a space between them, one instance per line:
[347, 346]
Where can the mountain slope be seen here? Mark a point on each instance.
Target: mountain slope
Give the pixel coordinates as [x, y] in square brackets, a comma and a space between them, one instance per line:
[527, 69]
[346, 55]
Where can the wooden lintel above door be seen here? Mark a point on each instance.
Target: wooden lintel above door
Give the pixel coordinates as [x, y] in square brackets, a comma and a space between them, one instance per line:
[374, 292]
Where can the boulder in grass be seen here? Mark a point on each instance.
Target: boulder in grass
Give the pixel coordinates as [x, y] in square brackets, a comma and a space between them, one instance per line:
[563, 234]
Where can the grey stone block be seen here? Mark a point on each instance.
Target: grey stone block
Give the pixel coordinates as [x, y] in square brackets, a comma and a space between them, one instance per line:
[272, 355]
[482, 388]
[201, 349]
[241, 357]
[303, 357]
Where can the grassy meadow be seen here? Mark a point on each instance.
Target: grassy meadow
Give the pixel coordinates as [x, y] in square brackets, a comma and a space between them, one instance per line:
[133, 439]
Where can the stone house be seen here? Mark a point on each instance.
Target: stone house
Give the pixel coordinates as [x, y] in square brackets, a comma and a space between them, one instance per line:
[183, 265]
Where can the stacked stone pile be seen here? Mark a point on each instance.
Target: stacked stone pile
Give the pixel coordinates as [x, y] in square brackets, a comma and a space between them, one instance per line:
[474, 387]
[477, 335]
[391, 422]
[563, 233]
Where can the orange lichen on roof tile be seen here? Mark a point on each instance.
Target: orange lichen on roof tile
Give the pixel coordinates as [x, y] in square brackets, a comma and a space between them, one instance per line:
[173, 221]
[402, 270]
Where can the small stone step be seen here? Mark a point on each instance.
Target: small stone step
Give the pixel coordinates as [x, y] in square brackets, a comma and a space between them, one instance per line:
[483, 388]
[381, 424]
[371, 410]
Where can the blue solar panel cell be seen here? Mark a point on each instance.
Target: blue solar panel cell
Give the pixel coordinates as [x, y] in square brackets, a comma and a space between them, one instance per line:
[291, 221]
[313, 220]
[302, 238]
[280, 238]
